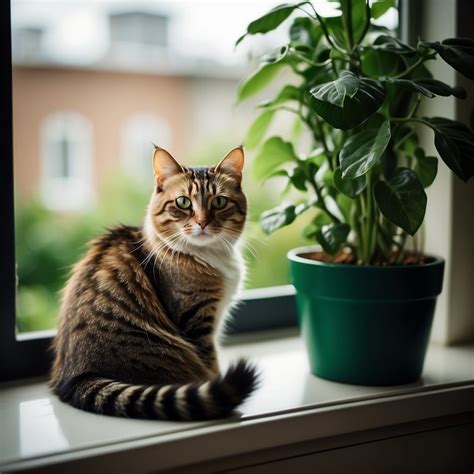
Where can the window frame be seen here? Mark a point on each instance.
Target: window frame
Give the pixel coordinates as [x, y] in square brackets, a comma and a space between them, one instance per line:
[26, 357]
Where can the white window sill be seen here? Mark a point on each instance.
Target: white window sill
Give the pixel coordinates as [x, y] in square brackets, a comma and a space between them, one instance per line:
[291, 406]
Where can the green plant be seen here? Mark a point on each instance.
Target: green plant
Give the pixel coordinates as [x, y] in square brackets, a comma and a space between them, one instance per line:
[357, 89]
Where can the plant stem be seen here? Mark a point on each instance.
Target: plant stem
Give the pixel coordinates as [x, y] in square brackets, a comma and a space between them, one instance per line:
[347, 22]
[358, 229]
[367, 23]
[322, 138]
[321, 203]
[397, 145]
[324, 28]
[412, 119]
[415, 107]
[292, 110]
[401, 249]
[308, 61]
[410, 69]
[371, 216]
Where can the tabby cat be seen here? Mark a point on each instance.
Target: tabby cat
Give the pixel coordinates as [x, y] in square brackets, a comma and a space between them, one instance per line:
[141, 309]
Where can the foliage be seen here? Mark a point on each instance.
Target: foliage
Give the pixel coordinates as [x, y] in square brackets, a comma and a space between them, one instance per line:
[49, 243]
[357, 89]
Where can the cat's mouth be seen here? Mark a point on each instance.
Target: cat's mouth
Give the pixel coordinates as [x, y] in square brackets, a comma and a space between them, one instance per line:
[201, 236]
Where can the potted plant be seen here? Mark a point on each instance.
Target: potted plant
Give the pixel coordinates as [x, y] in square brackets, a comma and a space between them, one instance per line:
[366, 295]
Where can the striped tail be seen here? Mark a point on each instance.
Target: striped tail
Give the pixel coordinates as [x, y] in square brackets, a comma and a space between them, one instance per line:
[215, 398]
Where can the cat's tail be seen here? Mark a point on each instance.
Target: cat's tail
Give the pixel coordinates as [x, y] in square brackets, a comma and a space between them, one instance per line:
[215, 398]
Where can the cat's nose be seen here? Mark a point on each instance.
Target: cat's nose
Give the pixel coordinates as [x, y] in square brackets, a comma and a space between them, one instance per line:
[203, 223]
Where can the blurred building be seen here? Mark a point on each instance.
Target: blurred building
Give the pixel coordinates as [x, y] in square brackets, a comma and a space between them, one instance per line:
[75, 123]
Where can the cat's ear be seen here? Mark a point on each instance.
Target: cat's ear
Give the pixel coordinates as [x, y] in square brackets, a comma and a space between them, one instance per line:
[232, 164]
[164, 166]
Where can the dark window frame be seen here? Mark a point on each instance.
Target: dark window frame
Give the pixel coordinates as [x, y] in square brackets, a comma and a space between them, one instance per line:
[29, 355]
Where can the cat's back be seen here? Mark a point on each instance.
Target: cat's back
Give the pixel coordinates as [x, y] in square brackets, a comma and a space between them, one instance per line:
[116, 275]
[107, 296]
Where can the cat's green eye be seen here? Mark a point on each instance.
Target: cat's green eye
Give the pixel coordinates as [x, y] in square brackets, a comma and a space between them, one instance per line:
[219, 202]
[183, 202]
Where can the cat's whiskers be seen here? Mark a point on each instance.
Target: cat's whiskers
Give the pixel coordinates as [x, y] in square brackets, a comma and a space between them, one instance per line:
[226, 243]
[156, 247]
[252, 250]
[168, 243]
[172, 246]
[143, 242]
[176, 253]
[145, 261]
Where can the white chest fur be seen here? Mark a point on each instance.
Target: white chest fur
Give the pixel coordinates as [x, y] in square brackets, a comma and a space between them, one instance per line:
[232, 268]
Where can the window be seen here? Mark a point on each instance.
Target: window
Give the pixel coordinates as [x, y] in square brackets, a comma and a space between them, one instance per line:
[28, 43]
[197, 65]
[139, 27]
[66, 159]
[139, 133]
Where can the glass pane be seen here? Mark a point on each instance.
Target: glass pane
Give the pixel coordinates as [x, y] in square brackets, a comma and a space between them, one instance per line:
[118, 72]
[64, 157]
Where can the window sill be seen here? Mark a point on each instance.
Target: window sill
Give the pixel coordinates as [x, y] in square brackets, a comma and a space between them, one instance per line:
[292, 406]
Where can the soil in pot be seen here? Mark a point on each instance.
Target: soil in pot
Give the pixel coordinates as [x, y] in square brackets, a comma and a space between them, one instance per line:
[348, 258]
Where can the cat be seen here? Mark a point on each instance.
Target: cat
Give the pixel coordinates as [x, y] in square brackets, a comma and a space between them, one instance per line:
[140, 311]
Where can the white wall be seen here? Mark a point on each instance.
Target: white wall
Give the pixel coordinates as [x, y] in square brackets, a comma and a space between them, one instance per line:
[449, 224]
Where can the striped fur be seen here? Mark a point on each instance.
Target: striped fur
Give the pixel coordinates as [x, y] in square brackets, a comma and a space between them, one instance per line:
[140, 312]
[215, 398]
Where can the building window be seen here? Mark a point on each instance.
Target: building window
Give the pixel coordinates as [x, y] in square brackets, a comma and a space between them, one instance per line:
[139, 133]
[139, 27]
[66, 159]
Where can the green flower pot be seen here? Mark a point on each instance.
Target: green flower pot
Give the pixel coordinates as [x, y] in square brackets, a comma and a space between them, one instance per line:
[365, 325]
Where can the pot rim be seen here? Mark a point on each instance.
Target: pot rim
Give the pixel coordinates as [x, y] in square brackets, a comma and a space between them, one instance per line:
[294, 255]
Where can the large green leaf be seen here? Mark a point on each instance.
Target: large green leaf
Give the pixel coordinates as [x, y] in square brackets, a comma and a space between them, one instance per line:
[305, 31]
[360, 12]
[331, 237]
[442, 89]
[273, 154]
[298, 178]
[378, 63]
[258, 128]
[336, 30]
[349, 187]
[286, 94]
[270, 20]
[455, 145]
[259, 80]
[363, 150]
[426, 167]
[356, 109]
[402, 200]
[393, 45]
[428, 87]
[282, 215]
[380, 7]
[457, 52]
[278, 217]
[318, 74]
[335, 92]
